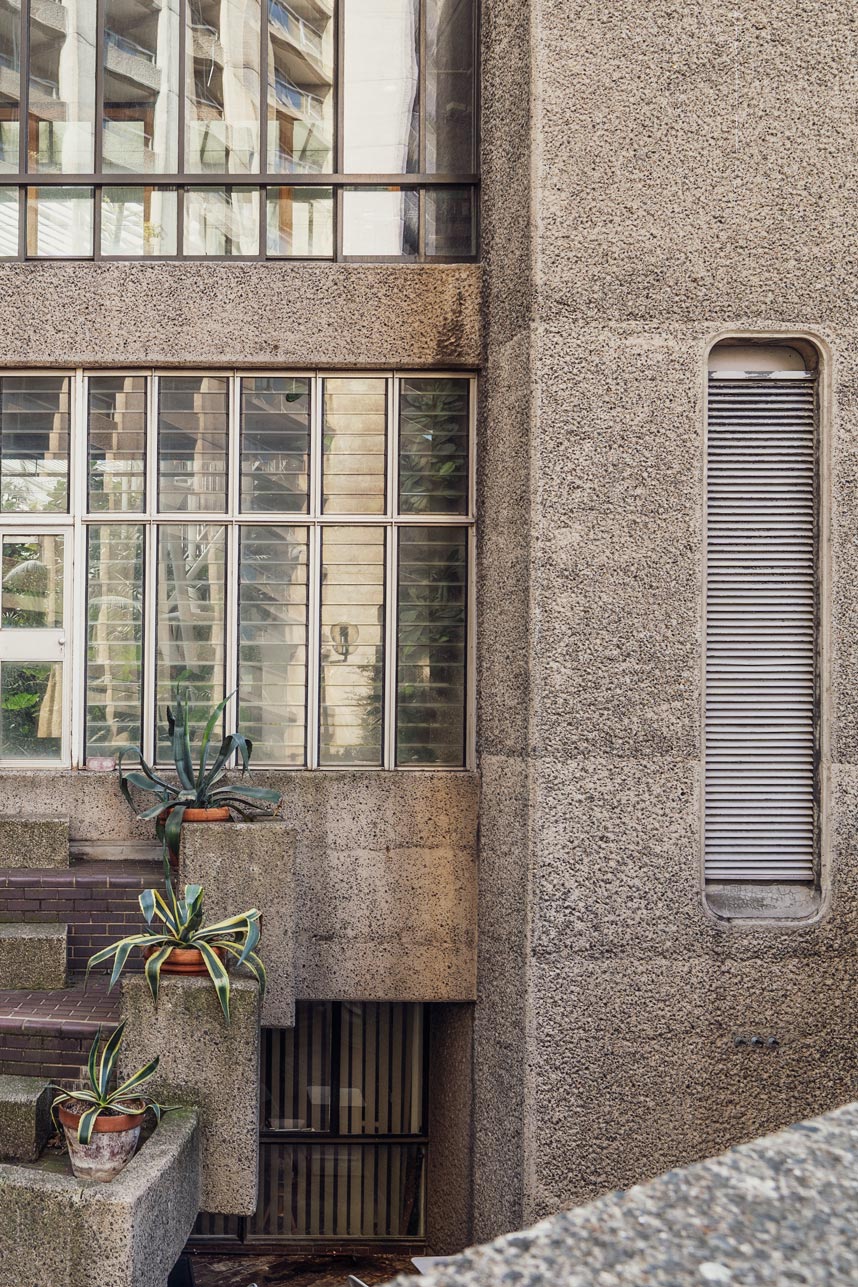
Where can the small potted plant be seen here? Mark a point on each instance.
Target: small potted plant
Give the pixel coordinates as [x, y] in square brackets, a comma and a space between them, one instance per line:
[197, 795]
[102, 1126]
[181, 944]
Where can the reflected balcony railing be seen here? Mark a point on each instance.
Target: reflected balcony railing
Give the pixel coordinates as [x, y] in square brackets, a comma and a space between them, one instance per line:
[126, 46]
[300, 100]
[297, 29]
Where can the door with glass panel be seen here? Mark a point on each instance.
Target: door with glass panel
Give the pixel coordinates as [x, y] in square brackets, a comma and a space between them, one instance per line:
[36, 576]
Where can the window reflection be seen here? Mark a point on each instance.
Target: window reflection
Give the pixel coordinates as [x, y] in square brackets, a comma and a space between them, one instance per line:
[450, 225]
[381, 87]
[141, 89]
[34, 443]
[138, 222]
[300, 222]
[10, 85]
[192, 443]
[378, 222]
[221, 221]
[352, 670]
[9, 205]
[117, 444]
[114, 637]
[450, 83]
[355, 443]
[222, 88]
[300, 86]
[59, 222]
[62, 87]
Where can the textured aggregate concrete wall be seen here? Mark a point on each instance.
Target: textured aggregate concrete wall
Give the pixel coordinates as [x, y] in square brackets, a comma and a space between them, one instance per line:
[333, 315]
[694, 174]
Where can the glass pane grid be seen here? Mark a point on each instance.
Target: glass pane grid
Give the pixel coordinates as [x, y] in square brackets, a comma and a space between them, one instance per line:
[262, 512]
[113, 120]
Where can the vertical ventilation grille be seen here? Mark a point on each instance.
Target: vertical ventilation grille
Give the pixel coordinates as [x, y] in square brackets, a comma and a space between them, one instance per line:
[761, 630]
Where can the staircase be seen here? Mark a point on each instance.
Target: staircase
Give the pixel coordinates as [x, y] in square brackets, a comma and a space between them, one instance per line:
[57, 907]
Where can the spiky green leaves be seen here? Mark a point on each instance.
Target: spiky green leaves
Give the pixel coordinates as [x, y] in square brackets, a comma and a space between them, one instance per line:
[97, 1095]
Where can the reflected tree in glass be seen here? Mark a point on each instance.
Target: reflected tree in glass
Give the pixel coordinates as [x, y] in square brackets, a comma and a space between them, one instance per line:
[433, 446]
[114, 625]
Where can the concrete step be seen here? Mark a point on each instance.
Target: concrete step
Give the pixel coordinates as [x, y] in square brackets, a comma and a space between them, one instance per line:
[97, 900]
[33, 956]
[25, 1117]
[36, 841]
[48, 1034]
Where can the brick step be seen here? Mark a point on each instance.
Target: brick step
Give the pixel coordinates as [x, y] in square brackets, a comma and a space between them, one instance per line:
[33, 956]
[48, 1034]
[96, 899]
[25, 1117]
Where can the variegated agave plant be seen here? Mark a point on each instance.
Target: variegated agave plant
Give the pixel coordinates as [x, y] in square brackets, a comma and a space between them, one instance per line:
[198, 787]
[181, 925]
[98, 1096]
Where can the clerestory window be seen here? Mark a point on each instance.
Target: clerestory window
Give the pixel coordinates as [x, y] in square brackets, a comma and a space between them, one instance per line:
[301, 542]
[312, 129]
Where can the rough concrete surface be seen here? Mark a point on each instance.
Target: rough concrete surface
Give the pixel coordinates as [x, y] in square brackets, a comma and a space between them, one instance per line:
[33, 956]
[264, 315]
[28, 840]
[208, 1065]
[25, 1117]
[56, 1231]
[780, 1210]
[243, 865]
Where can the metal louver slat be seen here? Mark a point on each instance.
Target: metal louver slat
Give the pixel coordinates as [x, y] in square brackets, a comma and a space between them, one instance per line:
[761, 671]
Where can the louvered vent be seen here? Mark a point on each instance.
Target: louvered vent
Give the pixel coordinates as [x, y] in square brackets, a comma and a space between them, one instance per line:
[761, 759]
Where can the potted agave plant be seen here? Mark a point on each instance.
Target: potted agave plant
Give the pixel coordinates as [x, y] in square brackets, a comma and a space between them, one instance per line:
[102, 1126]
[176, 941]
[199, 795]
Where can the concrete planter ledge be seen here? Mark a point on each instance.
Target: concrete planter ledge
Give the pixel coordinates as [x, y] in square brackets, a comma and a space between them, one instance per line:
[56, 1231]
[783, 1209]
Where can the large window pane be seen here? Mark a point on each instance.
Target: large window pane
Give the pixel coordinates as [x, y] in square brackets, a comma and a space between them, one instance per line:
[221, 221]
[352, 646]
[62, 86]
[380, 1095]
[141, 86]
[432, 646]
[450, 225]
[381, 89]
[295, 1072]
[59, 223]
[300, 222]
[355, 425]
[117, 444]
[137, 222]
[33, 584]
[10, 85]
[222, 95]
[31, 710]
[275, 444]
[380, 222]
[193, 430]
[190, 622]
[450, 78]
[433, 446]
[272, 642]
[34, 443]
[114, 637]
[8, 223]
[300, 86]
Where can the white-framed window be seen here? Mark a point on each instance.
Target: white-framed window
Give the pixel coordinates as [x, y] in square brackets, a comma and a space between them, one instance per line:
[302, 542]
[762, 727]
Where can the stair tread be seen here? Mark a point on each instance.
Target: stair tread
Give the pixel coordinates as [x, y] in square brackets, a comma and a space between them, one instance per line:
[68, 1010]
[106, 874]
[34, 929]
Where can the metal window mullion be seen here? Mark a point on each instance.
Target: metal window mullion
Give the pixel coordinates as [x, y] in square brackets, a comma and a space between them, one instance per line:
[150, 561]
[232, 553]
[391, 564]
[24, 124]
[74, 752]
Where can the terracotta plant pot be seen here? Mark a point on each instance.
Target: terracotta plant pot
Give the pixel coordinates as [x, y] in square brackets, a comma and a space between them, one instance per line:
[114, 1139]
[221, 814]
[184, 960]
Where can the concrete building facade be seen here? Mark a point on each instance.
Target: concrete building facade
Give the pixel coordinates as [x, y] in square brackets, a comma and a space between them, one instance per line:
[652, 182]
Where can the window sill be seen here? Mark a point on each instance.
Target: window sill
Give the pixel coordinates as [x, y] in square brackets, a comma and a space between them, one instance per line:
[762, 901]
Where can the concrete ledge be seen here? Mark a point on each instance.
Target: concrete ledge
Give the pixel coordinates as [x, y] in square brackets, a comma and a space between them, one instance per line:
[781, 1210]
[34, 841]
[33, 956]
[56, 1231]
[25, 1117]
[208, 1065]
[251, 864]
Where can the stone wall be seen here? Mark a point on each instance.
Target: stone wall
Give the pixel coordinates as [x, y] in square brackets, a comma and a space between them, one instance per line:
[693, 175]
